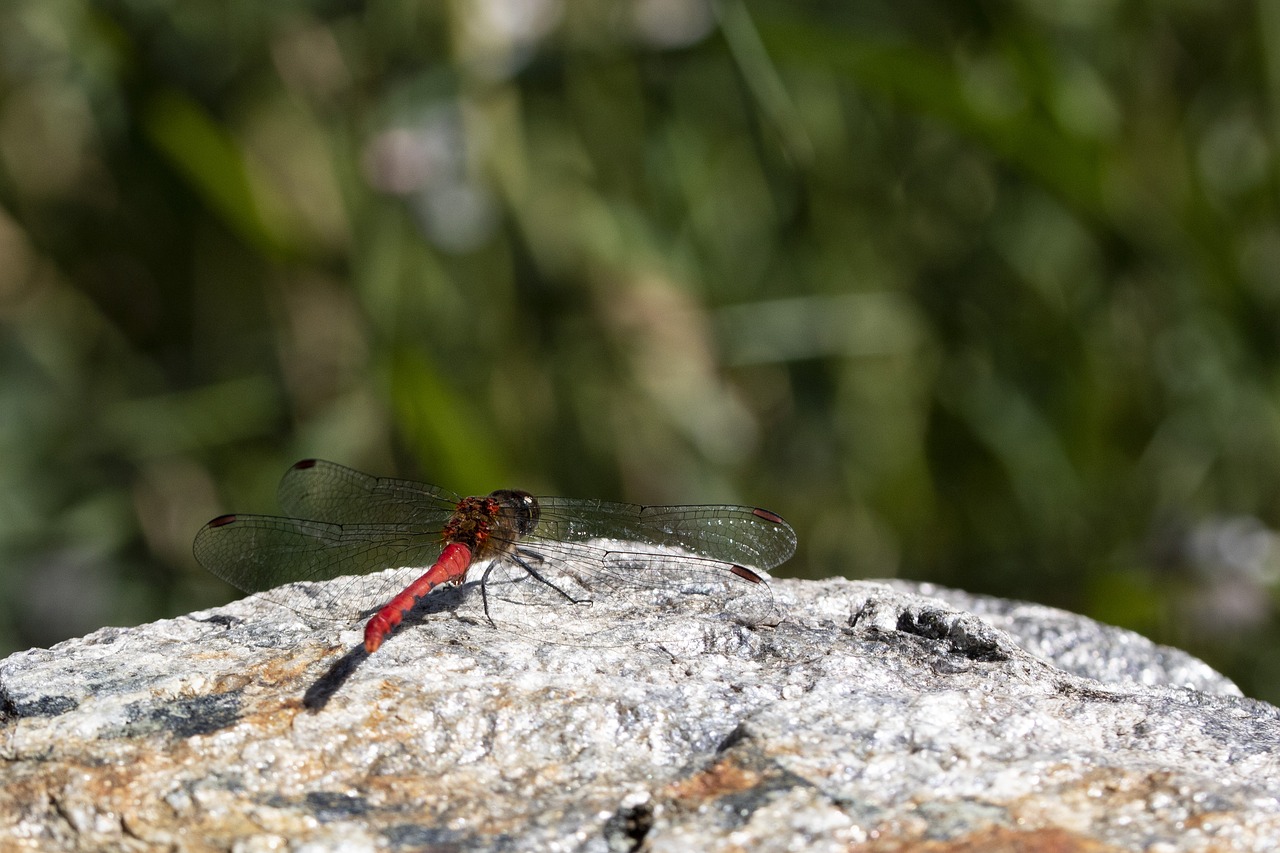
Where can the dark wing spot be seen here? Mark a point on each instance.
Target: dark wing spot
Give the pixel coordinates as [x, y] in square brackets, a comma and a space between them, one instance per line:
[768, 516]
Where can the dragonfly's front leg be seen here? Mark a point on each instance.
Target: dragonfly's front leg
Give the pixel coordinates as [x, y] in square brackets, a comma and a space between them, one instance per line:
[525, 560]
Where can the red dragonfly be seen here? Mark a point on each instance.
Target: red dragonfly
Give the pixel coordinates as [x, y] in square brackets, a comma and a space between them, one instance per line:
[531, 556]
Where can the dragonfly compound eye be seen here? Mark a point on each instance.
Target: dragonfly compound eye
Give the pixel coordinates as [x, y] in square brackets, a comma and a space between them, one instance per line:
[523, 507]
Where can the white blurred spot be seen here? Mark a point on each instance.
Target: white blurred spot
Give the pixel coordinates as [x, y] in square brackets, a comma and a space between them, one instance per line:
[672, 23]
[428, 165]
[497, 37]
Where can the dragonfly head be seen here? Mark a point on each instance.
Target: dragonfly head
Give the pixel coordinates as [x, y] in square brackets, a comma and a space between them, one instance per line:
[522, 509]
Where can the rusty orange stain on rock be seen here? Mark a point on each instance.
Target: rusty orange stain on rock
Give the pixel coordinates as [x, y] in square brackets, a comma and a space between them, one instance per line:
[724, 777]
[996, 839]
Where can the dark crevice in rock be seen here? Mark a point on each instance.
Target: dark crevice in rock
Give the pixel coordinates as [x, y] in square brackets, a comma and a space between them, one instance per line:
[626, 830]
[740, 734]
[963, 635]
[39, 706]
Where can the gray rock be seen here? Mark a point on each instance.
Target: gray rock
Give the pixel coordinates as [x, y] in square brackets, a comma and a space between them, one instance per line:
[875, 717]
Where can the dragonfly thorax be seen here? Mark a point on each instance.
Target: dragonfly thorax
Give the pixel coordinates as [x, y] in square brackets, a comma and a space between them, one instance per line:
[491, 526]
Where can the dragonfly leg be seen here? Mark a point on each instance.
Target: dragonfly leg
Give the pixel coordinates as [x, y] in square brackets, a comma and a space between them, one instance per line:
[484, 592]
[523, 559]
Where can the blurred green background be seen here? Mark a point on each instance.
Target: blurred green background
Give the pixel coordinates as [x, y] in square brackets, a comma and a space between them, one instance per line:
[984, 293]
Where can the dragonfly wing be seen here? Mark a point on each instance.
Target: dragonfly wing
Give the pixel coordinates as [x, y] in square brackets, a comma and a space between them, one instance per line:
[621, 596]
[730, 534]
[692, 585]
[325, 491]
[260, 552]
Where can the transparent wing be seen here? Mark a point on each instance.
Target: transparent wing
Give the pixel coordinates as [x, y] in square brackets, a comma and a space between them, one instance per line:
[596, 595]
[325, 491]
[731, 534]
[261, 552]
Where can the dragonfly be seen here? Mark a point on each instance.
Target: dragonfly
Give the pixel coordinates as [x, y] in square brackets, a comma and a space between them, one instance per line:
[392, 542]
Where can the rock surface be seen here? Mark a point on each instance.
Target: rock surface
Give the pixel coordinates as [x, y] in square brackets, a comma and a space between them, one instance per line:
[876, 717]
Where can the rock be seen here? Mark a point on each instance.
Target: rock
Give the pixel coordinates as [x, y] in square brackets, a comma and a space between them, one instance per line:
[875, 717]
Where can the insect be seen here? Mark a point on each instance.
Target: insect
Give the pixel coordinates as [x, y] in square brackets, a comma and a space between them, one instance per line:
[534, 559]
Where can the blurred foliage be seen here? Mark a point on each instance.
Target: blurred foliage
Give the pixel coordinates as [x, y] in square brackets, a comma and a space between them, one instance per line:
[984, 293]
